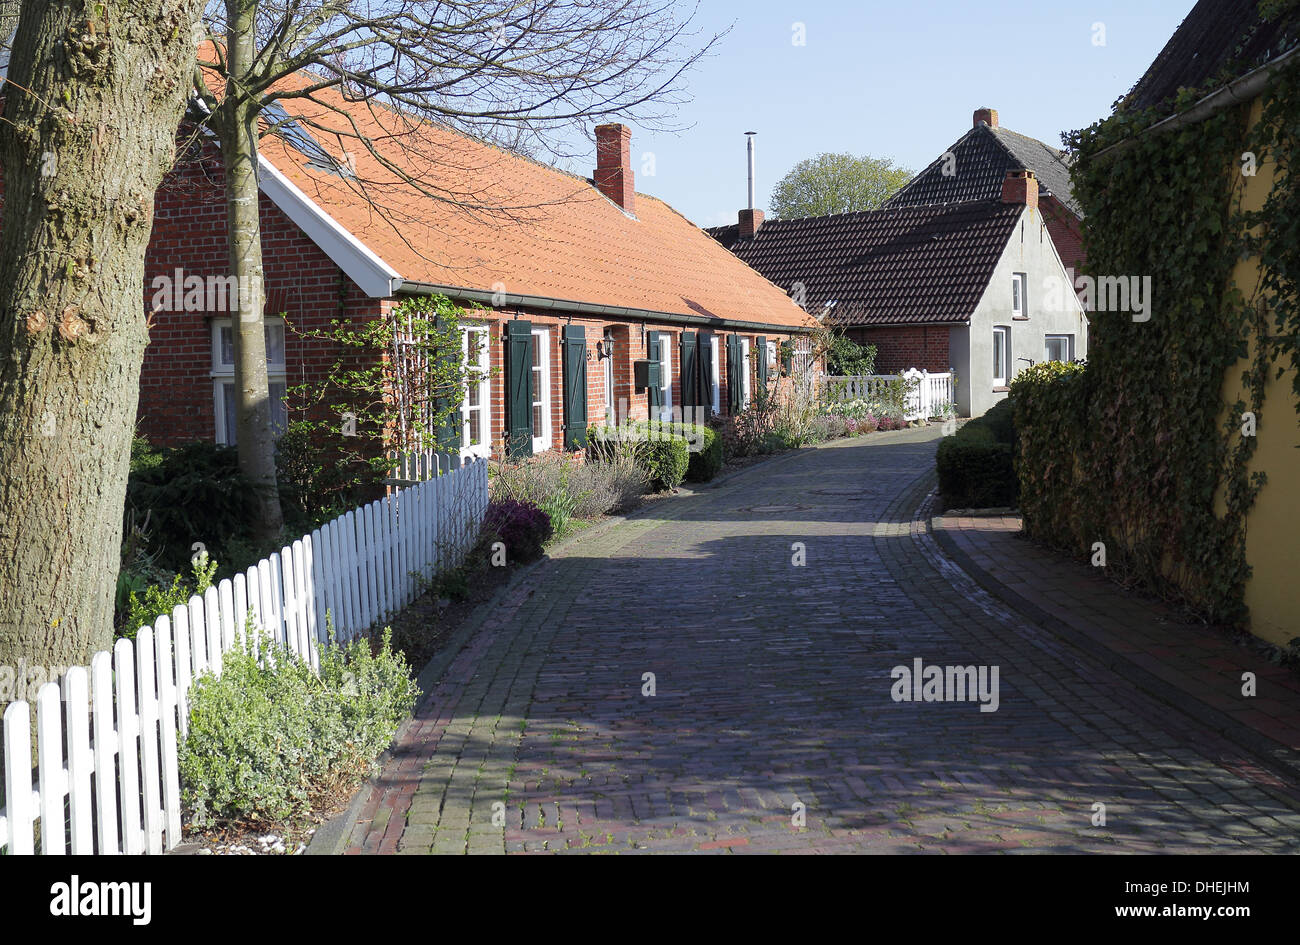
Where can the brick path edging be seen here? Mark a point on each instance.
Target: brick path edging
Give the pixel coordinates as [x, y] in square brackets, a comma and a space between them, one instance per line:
[1266, 751]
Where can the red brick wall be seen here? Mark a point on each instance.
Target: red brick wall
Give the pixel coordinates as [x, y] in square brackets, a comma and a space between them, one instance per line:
[924, 347]
[629, 346]
[176, 387]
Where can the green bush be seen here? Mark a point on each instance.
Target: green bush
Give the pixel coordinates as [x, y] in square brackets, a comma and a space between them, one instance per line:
[849, 358]
[976, 466]
[269, 739]
[190, 493]
[145, 606]
[1051, 418]
[661, 451]
[706, 457]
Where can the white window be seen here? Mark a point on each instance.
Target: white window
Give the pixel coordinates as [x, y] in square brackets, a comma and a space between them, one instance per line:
[717, 380]
[225, 402]
[771, 354]
[1059, 347]
[666, 377]
[802, 360]
[1019, 308]
[1001, 355]
[476, 407]
[541, 390]
[745, 370]
[609, 379]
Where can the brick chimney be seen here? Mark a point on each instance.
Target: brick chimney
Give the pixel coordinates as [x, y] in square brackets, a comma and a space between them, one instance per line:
[1021, 186]
[613, 173]
[750, 221]
[988, 116]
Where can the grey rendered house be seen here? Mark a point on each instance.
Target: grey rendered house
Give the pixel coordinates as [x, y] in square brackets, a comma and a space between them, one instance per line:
[974, 286]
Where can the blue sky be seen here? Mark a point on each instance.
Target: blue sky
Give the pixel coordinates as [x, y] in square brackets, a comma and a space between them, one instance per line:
[889, 79]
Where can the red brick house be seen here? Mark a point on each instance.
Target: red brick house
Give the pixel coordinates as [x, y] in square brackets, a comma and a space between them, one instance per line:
[583, 278]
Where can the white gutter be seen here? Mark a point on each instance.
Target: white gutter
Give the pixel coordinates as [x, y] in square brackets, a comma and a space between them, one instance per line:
[375, 277]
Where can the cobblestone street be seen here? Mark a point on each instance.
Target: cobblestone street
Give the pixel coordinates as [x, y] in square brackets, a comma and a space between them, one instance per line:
[772, 727]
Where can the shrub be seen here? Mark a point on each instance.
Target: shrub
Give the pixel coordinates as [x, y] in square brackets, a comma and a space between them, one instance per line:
[521, 526]
[269, 739]
[976, 466]
[847, 357]
[613, 483]
[565, 487]
[706, 457]
[1052, 430]
[158, 599]
[660, 449]
[189, 493]
[830, 427]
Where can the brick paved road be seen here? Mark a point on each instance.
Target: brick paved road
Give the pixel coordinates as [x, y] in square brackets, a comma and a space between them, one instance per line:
[773, 697]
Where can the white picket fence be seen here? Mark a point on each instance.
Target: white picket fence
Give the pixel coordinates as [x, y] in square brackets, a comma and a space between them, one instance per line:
[929, 395]
[107, 741]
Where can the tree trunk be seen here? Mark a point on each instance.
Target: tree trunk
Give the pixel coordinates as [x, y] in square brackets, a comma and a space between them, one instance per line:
[96, 90]
[237, 126]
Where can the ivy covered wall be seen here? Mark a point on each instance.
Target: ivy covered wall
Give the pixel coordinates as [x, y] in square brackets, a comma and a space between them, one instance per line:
[1149, 451]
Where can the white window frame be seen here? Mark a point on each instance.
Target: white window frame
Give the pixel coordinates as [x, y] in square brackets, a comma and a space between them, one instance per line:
[665, 377]
[609, 380]
[771, 354]
[1069, 346]
[542, 389]
[717, 377]
[1019, 281]
[484, 368]
[1005, 332]
[745, 371]
[223, 374]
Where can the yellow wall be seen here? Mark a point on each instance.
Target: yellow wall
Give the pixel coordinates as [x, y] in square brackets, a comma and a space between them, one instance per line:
[1273, 527]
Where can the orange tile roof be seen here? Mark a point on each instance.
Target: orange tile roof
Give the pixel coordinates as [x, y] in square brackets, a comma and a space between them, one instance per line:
[482, 217]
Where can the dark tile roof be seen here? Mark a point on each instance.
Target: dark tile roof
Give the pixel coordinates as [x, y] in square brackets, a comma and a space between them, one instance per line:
[983, 157]
[1218, 39]
[921, 265]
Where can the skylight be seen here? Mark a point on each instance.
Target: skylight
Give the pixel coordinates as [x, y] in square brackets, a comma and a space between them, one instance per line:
[300, 139]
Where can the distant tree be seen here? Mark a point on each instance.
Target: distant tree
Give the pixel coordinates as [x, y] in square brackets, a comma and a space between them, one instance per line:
[836, 183]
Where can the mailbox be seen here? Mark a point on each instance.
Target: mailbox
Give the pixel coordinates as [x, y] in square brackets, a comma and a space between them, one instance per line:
[646, 374]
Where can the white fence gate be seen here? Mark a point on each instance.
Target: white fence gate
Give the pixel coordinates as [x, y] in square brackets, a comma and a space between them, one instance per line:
[928, 395]
[107, 774]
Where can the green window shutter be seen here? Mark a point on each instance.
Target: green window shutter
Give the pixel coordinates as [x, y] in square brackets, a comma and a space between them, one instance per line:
[690, 369]
[448, 431]
[760, 351]
[706, 373]
[655, 395]
[519, 388]
[575, 386]
[735, 374]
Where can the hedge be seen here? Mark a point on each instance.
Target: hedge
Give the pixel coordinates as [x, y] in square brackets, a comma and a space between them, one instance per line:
[976, 466]
[1051, 418]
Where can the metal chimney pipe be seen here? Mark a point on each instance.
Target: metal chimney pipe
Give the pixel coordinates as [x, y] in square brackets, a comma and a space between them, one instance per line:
[750, 135]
